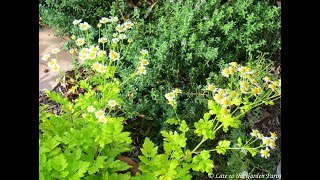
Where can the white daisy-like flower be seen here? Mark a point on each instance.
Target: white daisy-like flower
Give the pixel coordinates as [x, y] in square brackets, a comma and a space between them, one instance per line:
[52, 63]
[272, 86]
[242, 70]
[115, 40]
[114, 19]
[80, 41]
[225, 72]
[128, 24]
[244, 84]
[172, 102]
[102, 68]
[143, 62]
[84, 51]
[122, 36]
[102, 119]
[104, 20]
[142, 70]
[55, 51]
[103, 40]
[84, 26]
[272, 144]
[95, 66]
[92, 55]
[254, 133]
[234, 64]
[101, 53]
[273, 135]
[91, 109]
[114, 55]
[177, 91]
[120, 28]
[225, 102]
[256, 90]
[222, 92]
[45, 57]
[115, 34]
[169, 96]
[112, 103]
[84, 56]
[260, 136]
[249, 70]
[265, 153]
[94, 49]
[232, 69]
[233, 94]
[56, 67]
[267, 79]
[76, 22]
[218, 98]
[99, 114]
[144, 52]
[266, 141]
[211, 87]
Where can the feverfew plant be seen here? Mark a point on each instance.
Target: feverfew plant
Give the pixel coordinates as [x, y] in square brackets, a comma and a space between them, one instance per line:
[245, 90]
[84, 139]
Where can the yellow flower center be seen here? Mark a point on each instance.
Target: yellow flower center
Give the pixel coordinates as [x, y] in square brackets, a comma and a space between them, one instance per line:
[211, 87]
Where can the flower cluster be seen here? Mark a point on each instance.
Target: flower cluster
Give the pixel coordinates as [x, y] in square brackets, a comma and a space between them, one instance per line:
[267, 142]
[249, 79]
[224, 97]
[100, 68]
[143, 62]
[91, 53]
[247, 84]
[171, 96]
[100, 114]
[53, 62]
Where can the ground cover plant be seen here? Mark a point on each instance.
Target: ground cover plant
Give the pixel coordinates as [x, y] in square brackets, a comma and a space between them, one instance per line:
[174, 88]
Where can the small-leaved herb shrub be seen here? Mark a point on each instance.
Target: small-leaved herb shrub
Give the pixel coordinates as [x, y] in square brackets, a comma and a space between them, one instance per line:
[188, 40]
[60, 13]
[85, 138]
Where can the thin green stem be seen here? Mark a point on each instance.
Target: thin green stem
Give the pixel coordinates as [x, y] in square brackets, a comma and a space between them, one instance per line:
[175, 112]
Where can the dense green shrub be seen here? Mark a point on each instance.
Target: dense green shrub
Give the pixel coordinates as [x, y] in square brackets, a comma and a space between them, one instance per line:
[189, 44]
[60, 13]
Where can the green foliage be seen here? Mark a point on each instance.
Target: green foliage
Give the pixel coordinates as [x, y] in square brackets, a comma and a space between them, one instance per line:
[61, 13]
[188, 43]
[223, 146]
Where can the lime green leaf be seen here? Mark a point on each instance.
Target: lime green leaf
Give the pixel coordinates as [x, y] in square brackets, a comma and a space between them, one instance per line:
[149, 150]
[183, 126]
[253, 151]
[172, 121]
[202, 162]
[206, 116]
[223, 146]
[204, 128]
[212, 105]
[59, 162]
[227, 121]
[239, 142]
